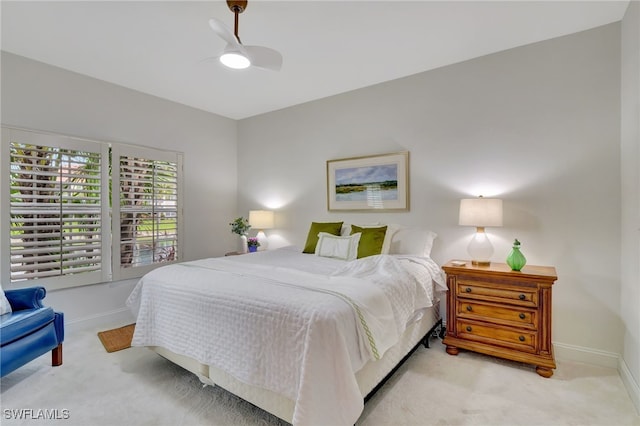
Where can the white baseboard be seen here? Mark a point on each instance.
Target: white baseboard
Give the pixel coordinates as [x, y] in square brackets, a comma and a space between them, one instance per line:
[630, 383]
[603, 359]
[119, 316]
[586, 355]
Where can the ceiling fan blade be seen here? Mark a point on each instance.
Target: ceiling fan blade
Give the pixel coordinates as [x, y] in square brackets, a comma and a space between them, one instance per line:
[222, 31]
[264, 57]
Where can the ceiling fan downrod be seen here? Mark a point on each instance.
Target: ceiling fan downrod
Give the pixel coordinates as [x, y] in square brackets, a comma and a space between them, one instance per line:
[237, 7]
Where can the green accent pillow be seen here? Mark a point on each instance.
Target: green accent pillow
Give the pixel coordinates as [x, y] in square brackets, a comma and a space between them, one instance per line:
[371, 240]
[333, 228]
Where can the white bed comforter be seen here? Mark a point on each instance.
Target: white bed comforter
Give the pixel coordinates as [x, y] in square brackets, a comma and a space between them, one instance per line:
[295, 324]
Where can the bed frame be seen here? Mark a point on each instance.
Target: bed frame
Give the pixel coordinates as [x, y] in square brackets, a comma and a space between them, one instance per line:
[370, 378]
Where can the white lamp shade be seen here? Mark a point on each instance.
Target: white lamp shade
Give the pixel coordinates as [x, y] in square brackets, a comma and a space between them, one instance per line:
[480, 212]
[261, 219]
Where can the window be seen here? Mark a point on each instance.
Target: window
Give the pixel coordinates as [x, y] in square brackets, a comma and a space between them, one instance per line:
[65, 210]
[57, 198]
[147, 232]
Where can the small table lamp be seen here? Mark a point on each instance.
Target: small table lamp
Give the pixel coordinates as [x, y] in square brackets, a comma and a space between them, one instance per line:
[480, 212]
[261, 220]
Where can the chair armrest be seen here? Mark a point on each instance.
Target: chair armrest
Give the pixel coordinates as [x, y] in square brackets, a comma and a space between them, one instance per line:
[58, 323]
[26, 298]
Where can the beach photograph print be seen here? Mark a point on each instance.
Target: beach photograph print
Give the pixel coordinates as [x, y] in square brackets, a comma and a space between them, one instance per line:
[368, 183]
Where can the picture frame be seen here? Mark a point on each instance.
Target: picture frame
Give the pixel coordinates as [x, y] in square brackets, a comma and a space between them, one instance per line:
[369, 183]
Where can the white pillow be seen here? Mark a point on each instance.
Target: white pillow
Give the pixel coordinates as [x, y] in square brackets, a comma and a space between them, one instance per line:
[391, 230]
[5, 306]
[412, 241]
[338, 247]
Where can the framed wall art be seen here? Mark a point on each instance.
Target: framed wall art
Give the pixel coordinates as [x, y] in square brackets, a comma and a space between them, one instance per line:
[375, 182]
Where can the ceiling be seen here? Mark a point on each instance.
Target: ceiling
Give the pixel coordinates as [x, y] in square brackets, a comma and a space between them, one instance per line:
[329, 47]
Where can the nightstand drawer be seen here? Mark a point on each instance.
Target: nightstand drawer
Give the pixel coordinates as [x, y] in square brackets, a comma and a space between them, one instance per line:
[521, 340]
[521, 296]
[515, 317]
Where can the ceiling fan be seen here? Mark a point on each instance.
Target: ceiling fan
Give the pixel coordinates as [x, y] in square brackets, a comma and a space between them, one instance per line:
[235, 54]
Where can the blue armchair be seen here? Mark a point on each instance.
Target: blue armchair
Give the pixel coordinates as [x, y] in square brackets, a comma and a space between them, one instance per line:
[30, 331]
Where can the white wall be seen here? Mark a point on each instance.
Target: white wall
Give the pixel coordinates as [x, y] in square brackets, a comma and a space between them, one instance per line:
[630, 259]
[538, 126]
[41, 97]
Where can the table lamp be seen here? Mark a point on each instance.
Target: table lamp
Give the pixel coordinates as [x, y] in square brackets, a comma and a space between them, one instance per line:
[480, 212]
[261, 220]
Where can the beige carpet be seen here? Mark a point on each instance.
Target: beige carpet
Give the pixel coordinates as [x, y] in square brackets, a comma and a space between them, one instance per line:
[137, 387]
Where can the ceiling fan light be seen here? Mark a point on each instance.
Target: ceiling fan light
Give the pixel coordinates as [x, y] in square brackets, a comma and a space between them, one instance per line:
[235, 60]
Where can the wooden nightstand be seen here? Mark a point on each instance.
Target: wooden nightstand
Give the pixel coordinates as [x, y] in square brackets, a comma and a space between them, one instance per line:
[496, 311]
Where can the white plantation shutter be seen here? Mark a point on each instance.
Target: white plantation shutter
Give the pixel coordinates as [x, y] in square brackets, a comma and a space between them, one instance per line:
[57, 209]
[77, 212]
[146, 183]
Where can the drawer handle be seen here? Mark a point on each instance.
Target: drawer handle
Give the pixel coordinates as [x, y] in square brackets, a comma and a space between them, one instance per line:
[468, 289]
[522, 316]
[521, 338]
[468, 328]
[522, 297]
[469, 308]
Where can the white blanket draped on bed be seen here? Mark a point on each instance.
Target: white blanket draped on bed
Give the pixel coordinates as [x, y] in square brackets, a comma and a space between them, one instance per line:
[296, 332]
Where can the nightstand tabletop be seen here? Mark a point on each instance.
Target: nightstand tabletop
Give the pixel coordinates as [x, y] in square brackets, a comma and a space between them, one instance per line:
[502, 269]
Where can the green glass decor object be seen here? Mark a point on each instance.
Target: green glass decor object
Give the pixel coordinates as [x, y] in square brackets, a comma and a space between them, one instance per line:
[516, 259]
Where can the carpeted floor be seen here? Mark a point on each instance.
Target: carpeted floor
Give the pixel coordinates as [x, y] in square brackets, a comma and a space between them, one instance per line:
[136, 387]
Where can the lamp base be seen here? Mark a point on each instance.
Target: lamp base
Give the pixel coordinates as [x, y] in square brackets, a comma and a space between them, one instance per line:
[480, 248]
[262, 239]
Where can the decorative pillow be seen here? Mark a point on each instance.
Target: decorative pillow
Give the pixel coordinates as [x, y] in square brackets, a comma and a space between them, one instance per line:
[412, 241]
[339, 247]
[5, 306]
[346, 228]
[391, 229]
[371, 240]
[317, 227]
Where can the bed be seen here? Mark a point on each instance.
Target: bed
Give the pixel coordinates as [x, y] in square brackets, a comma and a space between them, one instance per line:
[305, 336]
